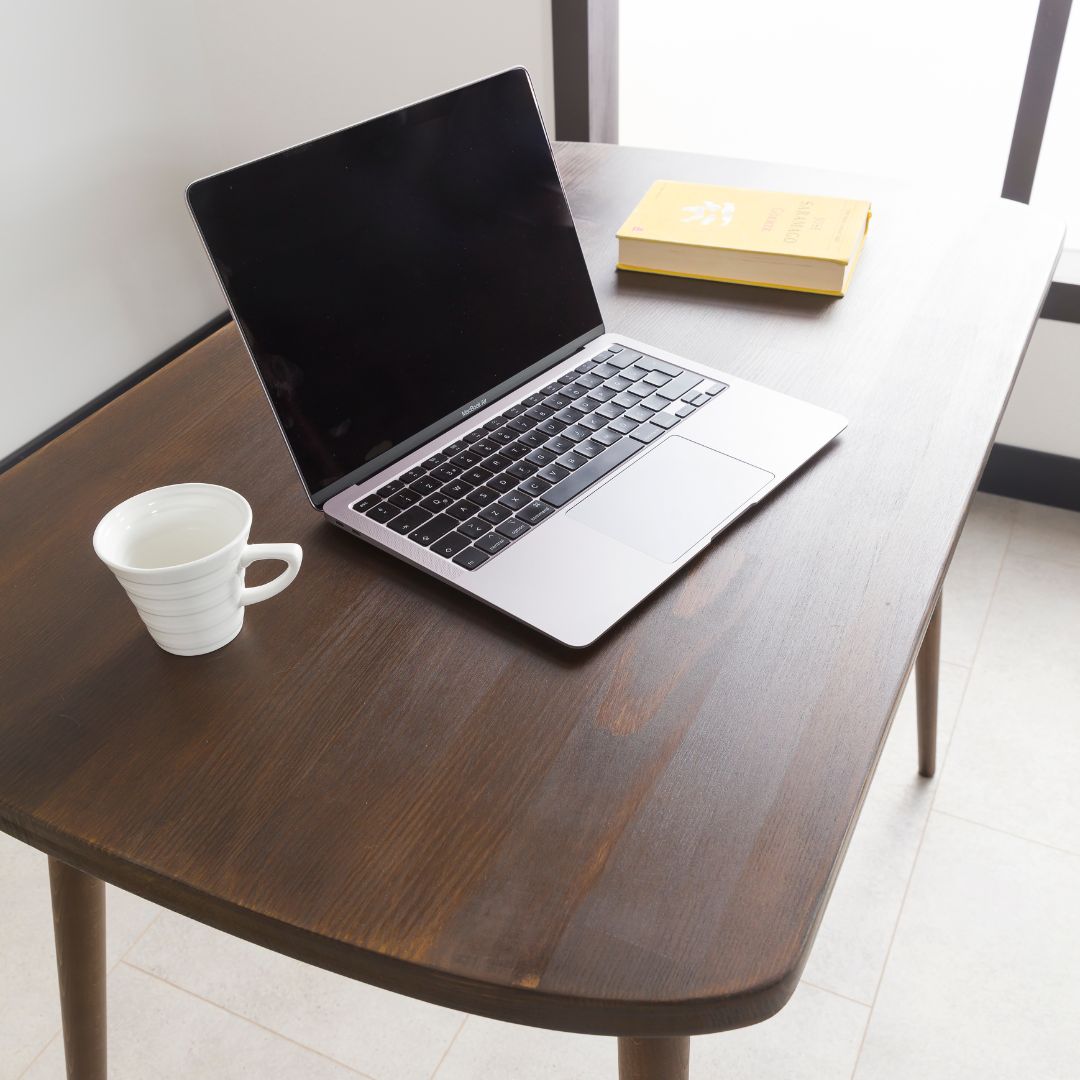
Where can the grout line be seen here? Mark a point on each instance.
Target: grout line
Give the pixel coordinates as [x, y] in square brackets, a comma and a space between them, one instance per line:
[33, 1061]
[246, 1019]
[943, 758]
[145, 930]
[1005, 832]
[449, 1047]
[835, 993]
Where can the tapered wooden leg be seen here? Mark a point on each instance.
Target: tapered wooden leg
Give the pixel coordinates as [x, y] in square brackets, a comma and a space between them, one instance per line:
[927, 664]
[654, 1059]
[78, 904]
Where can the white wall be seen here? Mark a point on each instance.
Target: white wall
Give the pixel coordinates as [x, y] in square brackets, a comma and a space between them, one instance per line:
[1044, 410]
[110, 108]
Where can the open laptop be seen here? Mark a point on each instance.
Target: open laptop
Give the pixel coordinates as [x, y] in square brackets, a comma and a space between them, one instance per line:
[414, 297]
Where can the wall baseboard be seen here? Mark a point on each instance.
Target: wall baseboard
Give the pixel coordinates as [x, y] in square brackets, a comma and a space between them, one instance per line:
[114, 391]
[1032, 475]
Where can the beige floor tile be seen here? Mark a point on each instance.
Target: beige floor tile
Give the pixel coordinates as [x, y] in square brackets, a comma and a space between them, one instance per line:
[816, 1037]
[1045, 532]
[853, 941]
[29, 1007]
[1014, 763]
[970, 582]
[981, 983]
[157, 1032]
[384, 1035]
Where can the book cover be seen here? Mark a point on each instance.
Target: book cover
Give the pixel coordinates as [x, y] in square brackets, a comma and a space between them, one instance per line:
[776, 239]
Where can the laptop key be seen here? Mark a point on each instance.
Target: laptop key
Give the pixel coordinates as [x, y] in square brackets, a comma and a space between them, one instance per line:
[607, 436]
[575, 433]
[665, 420]
[550, 428]
[477, 435]
[534, 438]
[639, 413]
[514, 451]
[714, 390]
[388, 489]
[431, 530]
[405, 523]
[569, 377]
[514, 410]
[495, 513]
[574, 391]
[534, 486]
[476, 476]
[521, 423]
[495, 463]
[445, 472]
[532, 399]
[679, 385]
[605, 370]
[544, 455]
[605, 393]
[485, 447]
[521, 470]
[557, 401]
[569, 415]
[366, 503]
[640, 389]
[462, 510]
[653, 364]
[424, 486]
[593, 422]
[646, 433]
[551, 388]
[457, 489]
[700, 399]
[559, 445]
[494, 424]
[573, 460]
[412, 474]
[588, 474]
[586, 404]
[502, 436]
[502, 483]
[455, 448]
[552, 473]
[590, 448]
[622, 425]
[634, 373]
[475, 528]
[450, 544]
[385, 511]
[589, 381]
[684, 410]
[535, 512]
[622, 359]
[404, 498]
[515, 500]
[467, 459]
[471, 558]
[482, 496]
[625, 400]
[655, 402]
[438, 501]
[657, 378]
[493, 543]
[541, 412]
[431, 462]
[512, 528]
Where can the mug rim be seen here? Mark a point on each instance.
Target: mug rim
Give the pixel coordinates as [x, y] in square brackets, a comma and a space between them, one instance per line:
[219, 489]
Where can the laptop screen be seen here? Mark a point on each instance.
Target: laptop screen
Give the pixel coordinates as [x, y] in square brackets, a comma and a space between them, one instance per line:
[388, 277]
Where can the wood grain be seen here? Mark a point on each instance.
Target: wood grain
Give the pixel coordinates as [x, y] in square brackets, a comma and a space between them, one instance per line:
[389, 780]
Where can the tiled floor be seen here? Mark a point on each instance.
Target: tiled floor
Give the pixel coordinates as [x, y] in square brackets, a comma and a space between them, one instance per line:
[951, 947]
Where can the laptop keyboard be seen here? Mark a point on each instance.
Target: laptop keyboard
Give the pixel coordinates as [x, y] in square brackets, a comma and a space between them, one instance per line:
[476, 496]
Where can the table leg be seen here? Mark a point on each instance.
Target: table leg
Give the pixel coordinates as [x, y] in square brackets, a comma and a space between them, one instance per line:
[654, 1059]
[927, 665]
[78, 905]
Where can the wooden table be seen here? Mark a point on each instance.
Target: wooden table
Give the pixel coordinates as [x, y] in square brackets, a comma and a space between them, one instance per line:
[386, 779]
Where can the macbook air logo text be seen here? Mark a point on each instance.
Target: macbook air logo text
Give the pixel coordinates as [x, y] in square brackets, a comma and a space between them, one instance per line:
[470, 409]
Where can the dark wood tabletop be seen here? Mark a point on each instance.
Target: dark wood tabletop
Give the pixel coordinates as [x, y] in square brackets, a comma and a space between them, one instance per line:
[385, 778]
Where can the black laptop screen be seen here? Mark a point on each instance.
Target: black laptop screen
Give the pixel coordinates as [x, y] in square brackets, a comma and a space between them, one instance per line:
[388, 276]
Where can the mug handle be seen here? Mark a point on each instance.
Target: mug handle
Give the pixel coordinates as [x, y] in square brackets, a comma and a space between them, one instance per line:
[292, 554]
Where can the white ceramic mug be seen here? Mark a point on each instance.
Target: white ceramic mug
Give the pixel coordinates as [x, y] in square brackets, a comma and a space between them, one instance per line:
[181, 552]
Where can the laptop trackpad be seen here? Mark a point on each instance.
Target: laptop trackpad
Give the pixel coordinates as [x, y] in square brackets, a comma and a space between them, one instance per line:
[671, 497]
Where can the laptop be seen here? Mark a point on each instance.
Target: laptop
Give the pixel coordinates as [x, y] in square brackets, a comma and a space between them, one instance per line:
[417, 306]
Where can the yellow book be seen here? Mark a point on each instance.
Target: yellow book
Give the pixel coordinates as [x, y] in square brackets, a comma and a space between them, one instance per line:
[783, 241]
